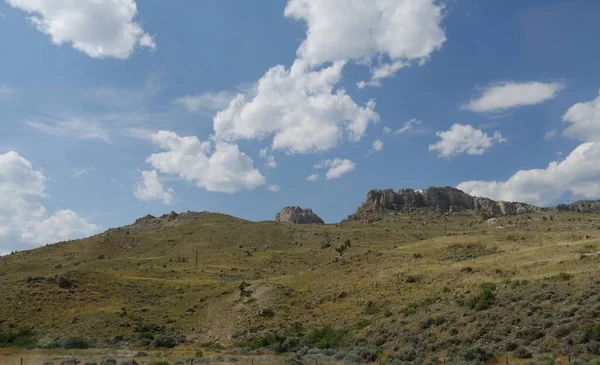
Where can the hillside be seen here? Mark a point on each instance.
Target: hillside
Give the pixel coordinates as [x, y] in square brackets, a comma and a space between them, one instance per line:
[409, 287]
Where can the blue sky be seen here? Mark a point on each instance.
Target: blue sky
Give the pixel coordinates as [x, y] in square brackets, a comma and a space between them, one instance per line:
[111, 110]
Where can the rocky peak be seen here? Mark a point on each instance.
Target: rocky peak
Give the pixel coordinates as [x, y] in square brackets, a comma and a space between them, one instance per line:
[297, 215]
[581, 206]
[442, 199]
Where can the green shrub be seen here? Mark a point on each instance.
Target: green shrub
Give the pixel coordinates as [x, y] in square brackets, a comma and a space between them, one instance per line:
[363, 323]
[478, 354]
[74, 343]
[24, 337]
[563, 276]
[592, 332]
[326, 338]
[484, 299]
[522, 353]
[407, 354]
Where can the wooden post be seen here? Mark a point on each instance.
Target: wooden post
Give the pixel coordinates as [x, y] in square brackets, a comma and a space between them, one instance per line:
[506, 359]
[21, 361]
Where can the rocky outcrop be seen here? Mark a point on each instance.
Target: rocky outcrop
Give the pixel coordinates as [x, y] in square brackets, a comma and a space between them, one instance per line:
[581, 206]
[442, 199]
[297, 215]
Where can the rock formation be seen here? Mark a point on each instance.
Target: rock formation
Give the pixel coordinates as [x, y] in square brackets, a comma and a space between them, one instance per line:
[442, 199]
[297, 215]
[581, 206]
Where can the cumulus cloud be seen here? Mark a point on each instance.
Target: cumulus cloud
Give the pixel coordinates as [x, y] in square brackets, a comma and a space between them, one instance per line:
[509, 95]
[391, 33]
[313, 177]
[410, 124]
[584, 120]
[24, 220]
[579, 174]
[336, 168]
[216, 167]
[461, 139]
[151, 188]
[387, 130]
[377, 145]
[73, 128]
[299, 107]
[207, 103]
[98, 28]
[274, 188]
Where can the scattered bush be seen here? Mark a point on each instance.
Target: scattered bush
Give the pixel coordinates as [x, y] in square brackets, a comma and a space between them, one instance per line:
[407, 354]
[369, 354]
[324, 338]
[522, 353]
[478, 354]
[530, 334]
[591, 332]
[72, 361]
[484, 299]
[24, 337]
[563, 276]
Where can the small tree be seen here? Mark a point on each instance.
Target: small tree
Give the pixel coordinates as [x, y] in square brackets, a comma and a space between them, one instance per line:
[243, 291]
[343, 247]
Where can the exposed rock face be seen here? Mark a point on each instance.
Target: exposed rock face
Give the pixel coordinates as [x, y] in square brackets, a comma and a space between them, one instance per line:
[582, 206]
[443, 199]
[297, 215]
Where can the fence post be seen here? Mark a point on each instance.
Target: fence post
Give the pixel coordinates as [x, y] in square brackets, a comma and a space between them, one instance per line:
[21, 361]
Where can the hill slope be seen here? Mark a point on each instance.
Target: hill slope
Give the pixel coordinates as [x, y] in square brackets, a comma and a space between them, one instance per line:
[409, 285]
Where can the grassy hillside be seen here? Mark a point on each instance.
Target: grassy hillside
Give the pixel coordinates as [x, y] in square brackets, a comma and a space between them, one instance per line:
[408, 288]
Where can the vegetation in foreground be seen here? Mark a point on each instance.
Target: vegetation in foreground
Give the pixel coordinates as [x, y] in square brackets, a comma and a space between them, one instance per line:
[404, 289]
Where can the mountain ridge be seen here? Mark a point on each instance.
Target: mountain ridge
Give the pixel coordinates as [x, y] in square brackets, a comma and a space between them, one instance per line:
[449, 199]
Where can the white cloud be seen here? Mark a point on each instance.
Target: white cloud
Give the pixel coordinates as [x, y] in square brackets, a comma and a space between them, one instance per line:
[24, 221]
[579, 174]
[207, 103]
[508, 95]
[377, 145]
[584, 119]
[461, 139]
[337, 167]
[7, 93]
[551, 134]
[73, 128]
[150, 188]
[394, 33]
[410, 124]
[269, 159]
[299, 107]
[77, 173]
[274, 188]
[313, 177]
[387, 130]
[220, 169]
[98, 28]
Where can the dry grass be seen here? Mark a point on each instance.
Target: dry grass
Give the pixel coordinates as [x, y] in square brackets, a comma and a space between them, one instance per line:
[427, 263]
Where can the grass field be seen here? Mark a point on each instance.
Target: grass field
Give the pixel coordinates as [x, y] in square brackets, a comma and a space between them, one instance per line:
[414, 288]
